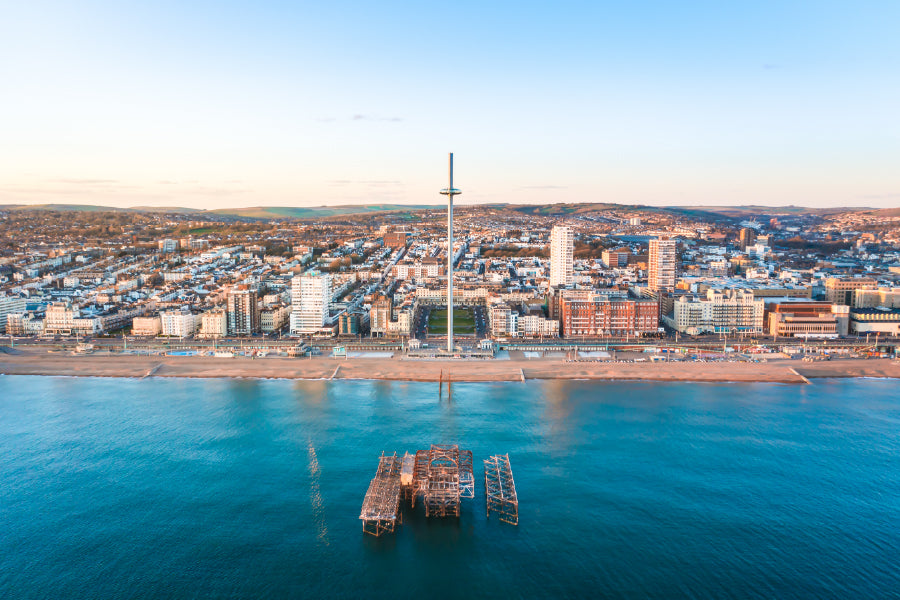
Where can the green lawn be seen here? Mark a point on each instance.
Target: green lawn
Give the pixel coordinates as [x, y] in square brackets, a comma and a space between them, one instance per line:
[463, 321]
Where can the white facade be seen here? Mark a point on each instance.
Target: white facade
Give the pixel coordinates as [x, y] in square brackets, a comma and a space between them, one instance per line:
[23, 324]
[273, 319]
[662, 265]
[871, 298]
[177, 323]
[60, 319]
[311, 301]
[562, 245]
[720, 312]
[146, 326]
[168, 245]
[535, 325]
[10, 304]
[214, 323]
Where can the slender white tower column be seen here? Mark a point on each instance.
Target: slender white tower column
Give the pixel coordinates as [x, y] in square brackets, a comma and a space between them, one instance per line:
[450, 192]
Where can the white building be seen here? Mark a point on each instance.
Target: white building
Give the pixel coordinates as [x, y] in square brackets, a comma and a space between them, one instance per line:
[722, 311]
[24, 324]
[59, 319]
[537, 325]
[562, 245]
[311, 301]
[179, 324]
[168, 245]
[662, 265]
[10, 304]
[146, 326]
[273, 319]
[214, 323]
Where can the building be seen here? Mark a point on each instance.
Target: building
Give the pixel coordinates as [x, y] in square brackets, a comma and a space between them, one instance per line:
[8, 305]
[380, 315]
[403, 325]
[146, 326]
[214, 323]
[616, 258]
[866, 321]
[662, 265]
[349, 323]
[429, 267]
[243, 311]
[504, 321]
[722, 311]
[273, 319]
[395, 239]
[597, 315]
[808, 320]
[59, 319]
[562, 245]
[311, 302]
[168, 245]
[840, 291]
[178, 323]
[747, 238]
[873, 298]
[536, 325]
[63, 319]
[24, 324]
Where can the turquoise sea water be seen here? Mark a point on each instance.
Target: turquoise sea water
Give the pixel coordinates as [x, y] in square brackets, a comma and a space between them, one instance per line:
[119, 488]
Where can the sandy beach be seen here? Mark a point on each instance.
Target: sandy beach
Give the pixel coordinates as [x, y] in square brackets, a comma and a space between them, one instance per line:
[37, 362]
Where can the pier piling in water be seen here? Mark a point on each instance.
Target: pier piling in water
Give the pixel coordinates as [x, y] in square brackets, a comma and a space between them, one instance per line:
[440, 478]
[500, 489]
[381, 506]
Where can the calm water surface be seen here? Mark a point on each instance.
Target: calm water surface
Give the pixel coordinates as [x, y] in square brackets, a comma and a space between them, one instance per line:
[119, 488]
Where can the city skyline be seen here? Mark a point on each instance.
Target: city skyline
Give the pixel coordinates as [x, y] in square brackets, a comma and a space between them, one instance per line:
[281, 105]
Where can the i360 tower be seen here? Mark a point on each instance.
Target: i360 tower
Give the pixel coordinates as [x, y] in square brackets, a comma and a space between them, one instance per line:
[450, 191]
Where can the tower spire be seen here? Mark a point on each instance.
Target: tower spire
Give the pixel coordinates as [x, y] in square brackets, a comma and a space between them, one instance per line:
[450, 191]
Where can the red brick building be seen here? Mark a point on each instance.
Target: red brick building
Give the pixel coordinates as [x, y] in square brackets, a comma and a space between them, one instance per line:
[395, 239]
[603, 315]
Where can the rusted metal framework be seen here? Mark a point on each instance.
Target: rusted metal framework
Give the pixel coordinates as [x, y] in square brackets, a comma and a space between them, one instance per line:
[500, 489]
[420, 476]
[381, 506]
[442, 488]
[466, 476]
[440, 477]
[437, 473]
[407, 477]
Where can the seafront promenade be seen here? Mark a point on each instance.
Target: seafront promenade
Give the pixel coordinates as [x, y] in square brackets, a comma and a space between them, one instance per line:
[34, 362]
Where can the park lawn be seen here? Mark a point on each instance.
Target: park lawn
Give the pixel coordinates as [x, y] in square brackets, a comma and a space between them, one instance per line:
[463, 322]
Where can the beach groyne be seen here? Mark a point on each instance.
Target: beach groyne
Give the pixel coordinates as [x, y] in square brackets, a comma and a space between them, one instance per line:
[395, 368]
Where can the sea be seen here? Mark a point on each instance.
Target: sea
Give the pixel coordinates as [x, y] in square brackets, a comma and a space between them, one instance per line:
[244, 488]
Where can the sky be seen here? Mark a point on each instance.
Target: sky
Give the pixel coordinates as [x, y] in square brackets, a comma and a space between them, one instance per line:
[233, 104]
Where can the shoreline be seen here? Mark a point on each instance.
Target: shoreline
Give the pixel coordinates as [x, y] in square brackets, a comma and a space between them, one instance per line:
[787, 371]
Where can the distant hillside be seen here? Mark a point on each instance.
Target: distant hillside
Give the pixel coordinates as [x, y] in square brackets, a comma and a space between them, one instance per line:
[562, 209]
[712, 213]
[165, 209]
[885, 212]
[62, 207]
[291, 212]
[253, 212]
[740, 212]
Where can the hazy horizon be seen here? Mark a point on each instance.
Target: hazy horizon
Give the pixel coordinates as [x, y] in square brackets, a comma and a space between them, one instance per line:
[229, 105]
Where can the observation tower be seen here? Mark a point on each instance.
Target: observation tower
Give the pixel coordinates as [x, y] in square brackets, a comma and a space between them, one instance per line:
[450, 191]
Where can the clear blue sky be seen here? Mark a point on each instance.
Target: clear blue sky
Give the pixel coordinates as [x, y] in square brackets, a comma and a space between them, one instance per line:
[225, 104]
